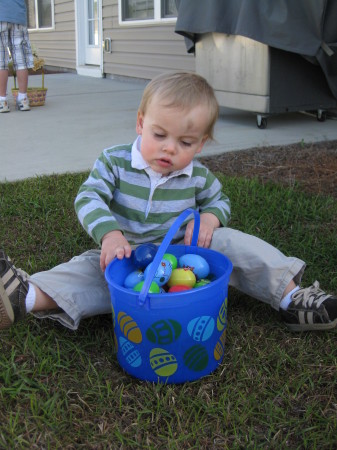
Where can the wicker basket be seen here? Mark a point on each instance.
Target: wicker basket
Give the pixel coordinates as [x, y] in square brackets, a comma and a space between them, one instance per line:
[36, 96]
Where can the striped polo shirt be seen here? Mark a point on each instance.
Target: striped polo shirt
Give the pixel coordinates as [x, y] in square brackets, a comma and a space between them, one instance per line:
[123, 193]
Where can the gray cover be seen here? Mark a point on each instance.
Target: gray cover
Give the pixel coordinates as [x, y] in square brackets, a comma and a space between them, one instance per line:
[306, 27]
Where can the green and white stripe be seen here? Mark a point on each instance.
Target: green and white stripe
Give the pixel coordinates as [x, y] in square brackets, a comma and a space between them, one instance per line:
[116, 196]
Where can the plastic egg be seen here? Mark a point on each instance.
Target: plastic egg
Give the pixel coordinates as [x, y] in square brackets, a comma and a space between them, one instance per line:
[144, 254]
[178, 288]
[196, 263]
[154, 288]
[202, 282]
[182, 277]
[163, 272]
[133, 278]
[173, 260]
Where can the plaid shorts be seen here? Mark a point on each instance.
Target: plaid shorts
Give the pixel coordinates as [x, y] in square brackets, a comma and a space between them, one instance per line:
[14, 37]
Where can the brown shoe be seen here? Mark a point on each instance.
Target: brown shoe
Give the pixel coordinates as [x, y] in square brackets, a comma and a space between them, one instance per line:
[13, 292]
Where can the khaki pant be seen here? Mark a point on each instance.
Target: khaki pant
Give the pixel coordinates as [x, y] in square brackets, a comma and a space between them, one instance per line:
[259, 270]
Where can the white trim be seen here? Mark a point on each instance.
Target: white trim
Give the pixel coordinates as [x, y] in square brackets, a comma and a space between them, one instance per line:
[89, 71]
[139, 23]
[157, 20]
[81, 67]
[52, 28]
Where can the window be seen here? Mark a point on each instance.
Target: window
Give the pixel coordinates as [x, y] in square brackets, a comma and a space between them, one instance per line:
[147, 10]
[93, 13]
[40, 14]
[168, 8]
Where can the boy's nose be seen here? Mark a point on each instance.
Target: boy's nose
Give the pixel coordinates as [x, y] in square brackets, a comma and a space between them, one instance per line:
[169, 146]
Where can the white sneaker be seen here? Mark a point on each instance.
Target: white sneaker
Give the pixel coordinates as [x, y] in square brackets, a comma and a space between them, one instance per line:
[4, 106]
[23, 105]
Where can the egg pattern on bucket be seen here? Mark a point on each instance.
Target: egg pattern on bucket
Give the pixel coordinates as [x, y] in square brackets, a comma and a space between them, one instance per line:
[196, 358]
[115, 341]
[220, 347]
[164, 332]
[162, 362]
[129, 328]
[222, 316]
[201, 328]
[131, 354]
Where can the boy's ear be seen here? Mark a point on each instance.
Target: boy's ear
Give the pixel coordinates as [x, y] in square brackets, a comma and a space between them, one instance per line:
[139, 125]
[204, 140]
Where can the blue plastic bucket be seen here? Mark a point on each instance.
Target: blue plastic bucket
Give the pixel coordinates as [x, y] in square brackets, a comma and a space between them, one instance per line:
[170, 337]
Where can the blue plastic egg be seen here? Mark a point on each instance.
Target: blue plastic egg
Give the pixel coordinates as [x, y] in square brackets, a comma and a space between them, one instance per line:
[133, 278]
[144, 254]
[196, 263]
[163, 272]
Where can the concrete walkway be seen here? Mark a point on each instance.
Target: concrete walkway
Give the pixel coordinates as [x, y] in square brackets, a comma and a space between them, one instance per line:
[84, 115]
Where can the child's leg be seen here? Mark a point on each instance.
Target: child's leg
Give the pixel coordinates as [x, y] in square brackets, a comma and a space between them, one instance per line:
[259, 269]
[77, 288]
[263, 272]
[41, 301]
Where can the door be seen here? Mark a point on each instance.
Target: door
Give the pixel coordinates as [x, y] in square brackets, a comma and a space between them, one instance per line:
[92, 32]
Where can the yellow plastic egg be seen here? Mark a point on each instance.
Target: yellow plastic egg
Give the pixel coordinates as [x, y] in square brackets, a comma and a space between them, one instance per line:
[182, 277]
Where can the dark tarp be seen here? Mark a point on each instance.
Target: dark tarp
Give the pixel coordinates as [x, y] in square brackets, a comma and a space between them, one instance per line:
[305, 27]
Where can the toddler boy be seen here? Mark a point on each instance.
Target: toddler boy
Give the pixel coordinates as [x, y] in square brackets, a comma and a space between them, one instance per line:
[133, 195]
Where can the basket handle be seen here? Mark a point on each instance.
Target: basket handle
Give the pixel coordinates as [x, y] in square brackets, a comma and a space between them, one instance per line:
[163, 247]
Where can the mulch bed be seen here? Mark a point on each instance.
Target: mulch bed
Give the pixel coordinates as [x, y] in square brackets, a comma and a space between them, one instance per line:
[312, 166]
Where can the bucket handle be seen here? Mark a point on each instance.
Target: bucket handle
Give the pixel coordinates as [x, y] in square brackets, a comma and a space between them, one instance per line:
[163, 247]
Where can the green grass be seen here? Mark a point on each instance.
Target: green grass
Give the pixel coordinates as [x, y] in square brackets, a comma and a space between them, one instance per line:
[65, 389]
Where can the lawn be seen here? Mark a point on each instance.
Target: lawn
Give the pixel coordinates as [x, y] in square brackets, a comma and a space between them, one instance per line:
[61, 389]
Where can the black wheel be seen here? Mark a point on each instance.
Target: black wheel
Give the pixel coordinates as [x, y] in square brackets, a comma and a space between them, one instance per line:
[261, 122]
[321, 115]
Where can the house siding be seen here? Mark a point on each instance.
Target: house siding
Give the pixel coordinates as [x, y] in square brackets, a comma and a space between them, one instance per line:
[137, 51]
[58, 46]
[142, 51]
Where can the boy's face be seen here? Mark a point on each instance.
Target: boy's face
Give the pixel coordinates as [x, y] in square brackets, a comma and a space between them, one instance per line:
[171, 136]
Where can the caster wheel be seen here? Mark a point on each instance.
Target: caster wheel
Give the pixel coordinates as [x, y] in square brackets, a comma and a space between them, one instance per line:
[261, 122]
[321, 115]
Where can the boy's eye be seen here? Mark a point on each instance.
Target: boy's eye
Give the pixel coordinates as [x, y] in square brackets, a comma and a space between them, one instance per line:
[186, 144]
[159, 135]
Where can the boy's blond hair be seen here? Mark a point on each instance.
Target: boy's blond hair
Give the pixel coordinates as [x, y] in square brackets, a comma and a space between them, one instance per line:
[182, 90]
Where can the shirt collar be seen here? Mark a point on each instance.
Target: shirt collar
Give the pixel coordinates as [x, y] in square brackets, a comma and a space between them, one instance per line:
[138, 162]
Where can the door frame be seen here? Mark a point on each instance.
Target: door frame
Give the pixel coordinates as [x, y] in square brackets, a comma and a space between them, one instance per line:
[80, 21]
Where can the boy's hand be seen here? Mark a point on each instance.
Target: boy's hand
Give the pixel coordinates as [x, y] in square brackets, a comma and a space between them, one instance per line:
[114, 245]
[208, 223]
